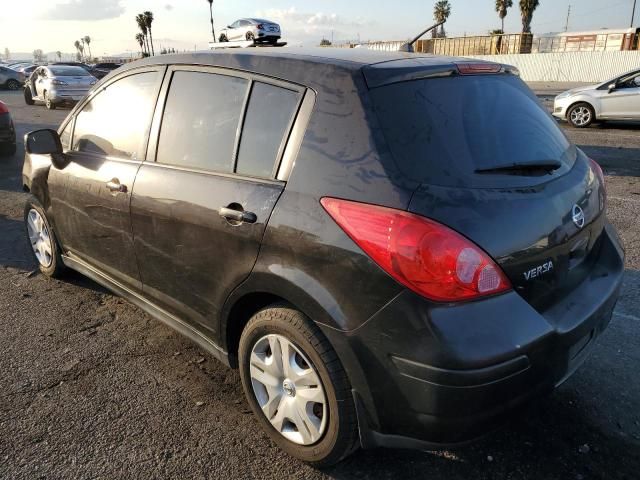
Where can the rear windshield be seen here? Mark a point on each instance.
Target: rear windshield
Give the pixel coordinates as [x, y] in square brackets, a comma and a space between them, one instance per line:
[69, 71]
[442, 131]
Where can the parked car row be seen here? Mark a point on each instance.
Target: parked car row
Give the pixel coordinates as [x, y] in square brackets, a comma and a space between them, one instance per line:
[53, 84]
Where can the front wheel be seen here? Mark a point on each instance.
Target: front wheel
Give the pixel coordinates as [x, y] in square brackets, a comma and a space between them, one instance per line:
[28, 97]
[13, 84]
[581, 115]
[296, 386]
[250, 36]
[223, 38]
[42, 239]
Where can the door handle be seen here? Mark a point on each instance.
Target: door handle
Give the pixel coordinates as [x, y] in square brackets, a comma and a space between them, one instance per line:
[238, 215]
[115, 186]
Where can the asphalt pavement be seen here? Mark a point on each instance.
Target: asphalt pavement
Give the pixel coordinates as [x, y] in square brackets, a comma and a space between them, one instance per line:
[92, 387]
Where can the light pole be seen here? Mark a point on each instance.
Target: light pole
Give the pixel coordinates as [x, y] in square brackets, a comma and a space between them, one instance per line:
[633, 13]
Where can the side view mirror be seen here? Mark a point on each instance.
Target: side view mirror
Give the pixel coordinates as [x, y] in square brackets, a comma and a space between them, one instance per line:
[43, 142]
[46, 142]
[612, 87]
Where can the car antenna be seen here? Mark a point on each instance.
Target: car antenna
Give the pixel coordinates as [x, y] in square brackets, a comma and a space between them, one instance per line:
[408, 47]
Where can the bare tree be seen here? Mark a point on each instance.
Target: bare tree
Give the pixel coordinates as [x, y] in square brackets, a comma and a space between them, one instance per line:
[59, 55]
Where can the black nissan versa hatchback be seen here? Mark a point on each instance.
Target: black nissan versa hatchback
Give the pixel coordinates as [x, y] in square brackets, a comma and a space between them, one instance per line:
[394, 249]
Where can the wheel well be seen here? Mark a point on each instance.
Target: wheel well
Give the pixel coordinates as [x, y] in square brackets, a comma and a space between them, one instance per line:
[239, 316]
[578, 103]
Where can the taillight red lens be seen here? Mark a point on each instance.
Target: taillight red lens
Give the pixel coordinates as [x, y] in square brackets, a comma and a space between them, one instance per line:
[3, 108]
[260, 26]
[478, 68]
[423, 255]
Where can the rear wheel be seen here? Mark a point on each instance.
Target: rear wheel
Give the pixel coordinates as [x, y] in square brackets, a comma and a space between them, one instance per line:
[13, 84]
[28, 98]
[42, 239]
[250, 36]
[8, 149]
[223, 38]
[581, 115]
[297, 387]
[48, 102]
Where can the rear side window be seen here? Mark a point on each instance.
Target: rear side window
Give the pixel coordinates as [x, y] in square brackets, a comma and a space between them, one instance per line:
[269, 116]
[116, 120]
[200, 121]
[443, 131]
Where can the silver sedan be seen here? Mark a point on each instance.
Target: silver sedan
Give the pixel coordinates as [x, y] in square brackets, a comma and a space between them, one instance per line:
[251, 29]
[56, 84]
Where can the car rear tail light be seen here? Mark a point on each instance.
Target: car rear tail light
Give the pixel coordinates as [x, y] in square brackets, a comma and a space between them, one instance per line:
[423, 255]
[260, 26]
[3, 108]
[478, 68]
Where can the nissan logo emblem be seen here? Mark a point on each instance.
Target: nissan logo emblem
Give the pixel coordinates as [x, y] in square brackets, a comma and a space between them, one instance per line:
[577, 215]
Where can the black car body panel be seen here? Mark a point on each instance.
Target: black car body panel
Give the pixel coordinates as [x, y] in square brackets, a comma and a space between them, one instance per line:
[421, 370]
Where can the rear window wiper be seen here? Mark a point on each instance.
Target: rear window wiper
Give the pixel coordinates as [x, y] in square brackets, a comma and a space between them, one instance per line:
[544, 167]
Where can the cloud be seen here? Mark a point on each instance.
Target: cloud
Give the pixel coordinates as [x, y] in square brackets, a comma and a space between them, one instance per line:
[85, 10]
[300, 26]
[168, 6]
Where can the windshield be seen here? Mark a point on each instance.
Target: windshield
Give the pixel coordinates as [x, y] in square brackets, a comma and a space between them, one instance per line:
[68, 71]
[446, 131]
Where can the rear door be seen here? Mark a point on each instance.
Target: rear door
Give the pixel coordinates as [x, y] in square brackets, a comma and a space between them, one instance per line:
[90, 197]
[199, 211]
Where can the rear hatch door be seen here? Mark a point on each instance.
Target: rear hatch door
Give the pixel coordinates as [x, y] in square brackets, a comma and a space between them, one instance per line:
[494, 166]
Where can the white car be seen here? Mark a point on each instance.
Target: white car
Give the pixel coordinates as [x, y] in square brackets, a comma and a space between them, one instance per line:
[256, 29]
[617, 99]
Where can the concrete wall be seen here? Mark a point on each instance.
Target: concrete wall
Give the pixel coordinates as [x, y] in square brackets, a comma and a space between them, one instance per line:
[590, 67]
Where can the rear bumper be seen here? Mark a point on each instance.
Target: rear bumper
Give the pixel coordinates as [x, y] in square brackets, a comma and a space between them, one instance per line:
[435, 375]
[67, 95]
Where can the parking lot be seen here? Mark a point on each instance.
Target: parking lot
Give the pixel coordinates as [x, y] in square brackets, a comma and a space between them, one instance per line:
[92, 387]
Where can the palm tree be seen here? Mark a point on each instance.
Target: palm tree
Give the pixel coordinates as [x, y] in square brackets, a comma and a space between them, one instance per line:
[441, 12]
[82, 40]
[213, 32]
[148, 20]
[87, 40]
[501, 7]
[77, 45]
[142, 25]
[527, 7]
[140, 40]
[59, 55]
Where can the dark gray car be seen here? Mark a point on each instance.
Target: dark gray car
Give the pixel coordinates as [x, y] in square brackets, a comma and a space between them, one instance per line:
[11, 79]
[395, 249]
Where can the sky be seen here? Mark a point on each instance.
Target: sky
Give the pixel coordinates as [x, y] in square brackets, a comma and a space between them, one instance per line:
[53, 25]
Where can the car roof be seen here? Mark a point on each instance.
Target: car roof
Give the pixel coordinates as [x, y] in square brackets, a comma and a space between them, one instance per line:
[301, 64]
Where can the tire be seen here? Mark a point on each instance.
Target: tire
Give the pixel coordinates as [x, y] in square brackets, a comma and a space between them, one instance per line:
[13, 84]
[8, 149]
[28, 97]
[223, 38]
[334, 421]
[581, 115]
[52, 266]
[48, 102]
[250, 36]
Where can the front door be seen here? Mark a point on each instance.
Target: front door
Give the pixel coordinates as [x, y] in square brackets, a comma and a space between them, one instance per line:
[92, 194]
[200, 210]
[624, 101]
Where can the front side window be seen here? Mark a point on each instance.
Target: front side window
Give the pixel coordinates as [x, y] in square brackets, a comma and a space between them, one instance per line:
[116, 120]
[269, 116]
[200, 121]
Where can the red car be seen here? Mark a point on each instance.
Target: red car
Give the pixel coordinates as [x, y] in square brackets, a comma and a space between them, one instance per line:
[7, 131]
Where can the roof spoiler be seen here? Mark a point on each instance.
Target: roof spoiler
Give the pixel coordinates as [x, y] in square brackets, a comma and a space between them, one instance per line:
[408, 47]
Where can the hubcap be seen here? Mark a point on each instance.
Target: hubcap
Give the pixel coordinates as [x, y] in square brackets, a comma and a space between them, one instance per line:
[288, 389]
[39, 238]
[580, 116]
